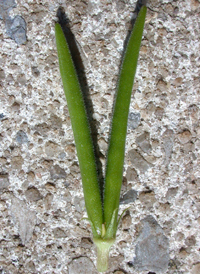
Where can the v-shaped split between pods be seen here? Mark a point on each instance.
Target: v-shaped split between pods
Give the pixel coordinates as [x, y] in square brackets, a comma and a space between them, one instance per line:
[103, 217]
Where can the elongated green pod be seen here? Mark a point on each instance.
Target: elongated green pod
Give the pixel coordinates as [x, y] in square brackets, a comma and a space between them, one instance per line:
[115, 158]
[103, 222]
[82, 135]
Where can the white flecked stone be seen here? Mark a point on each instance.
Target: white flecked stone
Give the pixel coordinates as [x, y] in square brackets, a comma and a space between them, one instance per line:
[165, 95]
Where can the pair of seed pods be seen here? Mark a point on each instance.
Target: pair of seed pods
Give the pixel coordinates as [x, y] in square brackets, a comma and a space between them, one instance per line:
[103, 216]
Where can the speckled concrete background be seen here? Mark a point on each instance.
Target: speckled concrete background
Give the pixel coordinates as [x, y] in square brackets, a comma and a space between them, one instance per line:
[41, 198]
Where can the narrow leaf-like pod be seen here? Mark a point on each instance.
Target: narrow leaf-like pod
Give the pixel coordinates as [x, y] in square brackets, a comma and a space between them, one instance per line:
[115, 158]
[104, 221]
[82, 135]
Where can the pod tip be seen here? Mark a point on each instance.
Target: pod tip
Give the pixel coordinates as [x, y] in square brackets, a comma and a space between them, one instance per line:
[62, 18]
[140, 4]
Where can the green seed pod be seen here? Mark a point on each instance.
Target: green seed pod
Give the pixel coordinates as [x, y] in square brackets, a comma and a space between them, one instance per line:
[82, 135]
[115, 158]
[103, 222]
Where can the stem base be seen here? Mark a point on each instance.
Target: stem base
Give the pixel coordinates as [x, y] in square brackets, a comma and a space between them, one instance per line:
[103, 248]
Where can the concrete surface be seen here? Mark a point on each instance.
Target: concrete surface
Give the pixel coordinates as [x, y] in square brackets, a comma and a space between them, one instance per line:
[41, 199]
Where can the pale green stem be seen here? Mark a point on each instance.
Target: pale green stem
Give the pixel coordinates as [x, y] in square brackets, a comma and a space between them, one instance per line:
[103, 248]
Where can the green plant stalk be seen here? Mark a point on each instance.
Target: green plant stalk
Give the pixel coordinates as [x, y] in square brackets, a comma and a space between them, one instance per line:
[115, 157]
[82, 135]
[103, 248]
[104, 221]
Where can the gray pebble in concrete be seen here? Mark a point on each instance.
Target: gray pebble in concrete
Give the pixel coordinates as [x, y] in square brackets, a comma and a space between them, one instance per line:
[1, 116]
[4, 182]
[81, 265]
[129, 197]
[16, 29]
[138, 161]
[168, 142]
[133, 120]
[24, 218]
[143, 141]
[21, 137]
[57, 172]
[152, 248]
[5, 7]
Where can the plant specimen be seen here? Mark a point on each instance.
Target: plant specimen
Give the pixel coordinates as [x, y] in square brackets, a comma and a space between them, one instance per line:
[102, 214]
